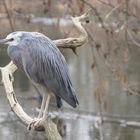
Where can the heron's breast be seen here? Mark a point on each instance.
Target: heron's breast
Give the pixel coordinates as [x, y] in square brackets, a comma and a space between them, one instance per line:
[13, 51]
[15, 54]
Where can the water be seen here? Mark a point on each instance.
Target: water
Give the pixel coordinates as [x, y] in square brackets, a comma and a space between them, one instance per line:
[82, 123]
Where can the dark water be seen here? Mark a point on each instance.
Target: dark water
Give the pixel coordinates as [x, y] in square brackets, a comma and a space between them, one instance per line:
[81, 123]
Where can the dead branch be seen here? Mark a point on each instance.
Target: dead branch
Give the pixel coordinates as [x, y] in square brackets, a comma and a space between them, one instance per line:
[133, 39]
[82, 39]
[8, 15]
[46, 124]
[111, 12]
[96, 13]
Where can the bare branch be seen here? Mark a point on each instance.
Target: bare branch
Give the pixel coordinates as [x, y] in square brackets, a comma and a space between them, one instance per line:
[96, 13]
[111, 12]
[106, 3]
[133, 40]
[8, 15]
[82, 39]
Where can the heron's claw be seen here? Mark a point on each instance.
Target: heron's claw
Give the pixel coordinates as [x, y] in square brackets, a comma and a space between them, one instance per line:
[33, 124]
[36, 121]
[29, 127]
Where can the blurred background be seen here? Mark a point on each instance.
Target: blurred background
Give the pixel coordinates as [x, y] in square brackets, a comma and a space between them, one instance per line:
[105, 72]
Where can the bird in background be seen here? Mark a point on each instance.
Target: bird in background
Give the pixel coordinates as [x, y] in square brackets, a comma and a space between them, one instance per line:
[44, 65]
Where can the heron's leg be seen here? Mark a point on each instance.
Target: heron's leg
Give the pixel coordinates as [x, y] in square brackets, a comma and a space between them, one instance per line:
[42, 106]
[36, 120]
[46, 105]
[42, 113]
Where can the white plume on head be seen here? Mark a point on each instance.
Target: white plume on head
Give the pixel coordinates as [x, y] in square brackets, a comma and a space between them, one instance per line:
[14, 38]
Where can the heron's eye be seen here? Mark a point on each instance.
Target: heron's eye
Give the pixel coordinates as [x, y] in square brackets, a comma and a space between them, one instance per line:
[11, 39]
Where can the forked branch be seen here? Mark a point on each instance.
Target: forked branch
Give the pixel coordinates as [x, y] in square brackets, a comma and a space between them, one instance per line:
[45, 125]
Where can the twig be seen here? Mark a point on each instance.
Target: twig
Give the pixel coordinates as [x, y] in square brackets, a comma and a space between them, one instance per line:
[8, 14]
[133, 40]
[129, 89]
[82, 39]
[106, 3]
[111, 12]
[96, 13]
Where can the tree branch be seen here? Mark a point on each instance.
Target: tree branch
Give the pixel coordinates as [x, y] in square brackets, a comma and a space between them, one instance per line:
[8, 15]
[79, 41]
[46, 124]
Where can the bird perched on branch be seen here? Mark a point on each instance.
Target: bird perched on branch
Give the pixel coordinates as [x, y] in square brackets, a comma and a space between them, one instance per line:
[44, 65]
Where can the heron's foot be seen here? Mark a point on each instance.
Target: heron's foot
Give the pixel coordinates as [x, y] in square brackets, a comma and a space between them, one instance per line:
[34, 123]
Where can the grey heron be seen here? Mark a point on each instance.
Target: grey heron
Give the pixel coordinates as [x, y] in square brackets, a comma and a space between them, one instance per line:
[42, 62]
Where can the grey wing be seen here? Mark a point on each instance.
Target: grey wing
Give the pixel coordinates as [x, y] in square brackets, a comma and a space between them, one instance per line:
[45, 65]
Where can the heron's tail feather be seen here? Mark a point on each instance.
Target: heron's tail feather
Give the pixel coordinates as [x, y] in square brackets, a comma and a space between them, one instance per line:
[58, 101]
[69, 96]
[73, 99]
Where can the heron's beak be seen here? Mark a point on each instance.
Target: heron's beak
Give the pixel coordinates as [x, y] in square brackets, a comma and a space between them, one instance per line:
[3, 41]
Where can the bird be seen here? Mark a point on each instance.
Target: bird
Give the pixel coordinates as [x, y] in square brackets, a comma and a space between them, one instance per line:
[44, 65]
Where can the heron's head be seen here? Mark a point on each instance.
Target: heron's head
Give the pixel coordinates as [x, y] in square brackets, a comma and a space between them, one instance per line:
[13, 38]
